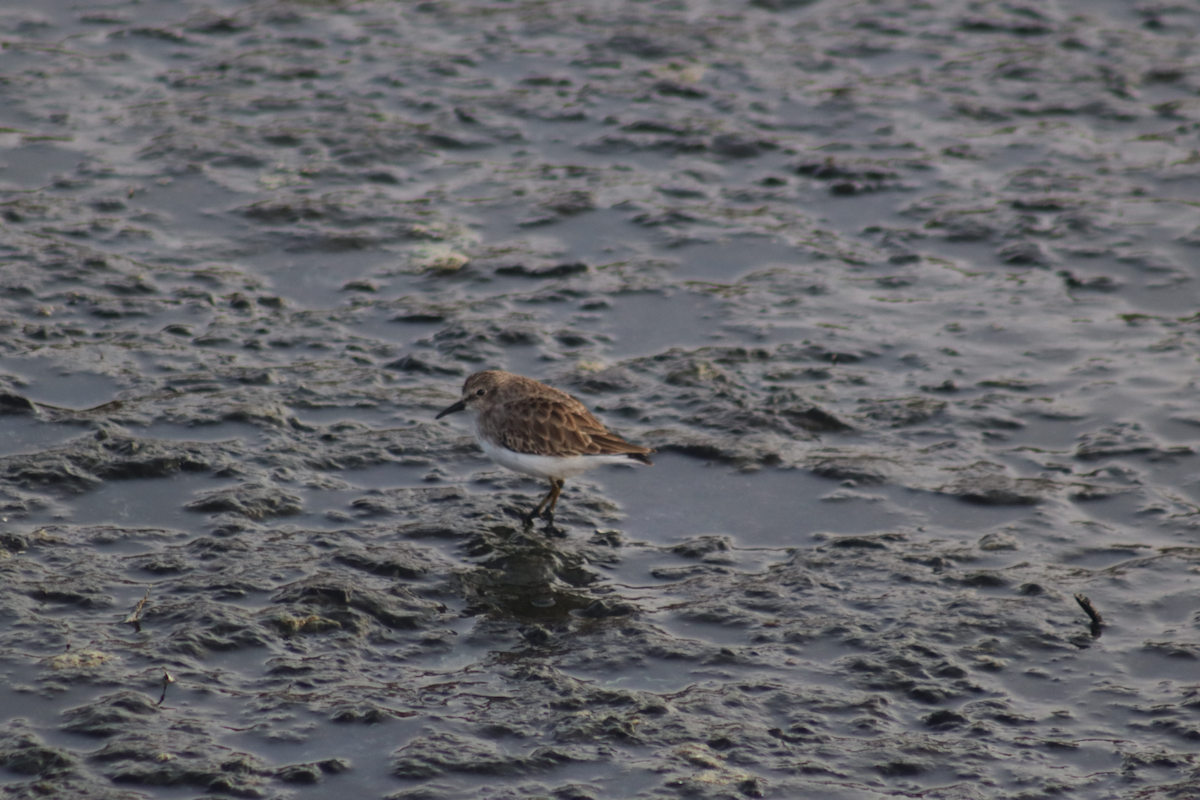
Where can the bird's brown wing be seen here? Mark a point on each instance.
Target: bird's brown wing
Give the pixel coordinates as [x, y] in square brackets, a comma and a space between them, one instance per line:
[555, 427]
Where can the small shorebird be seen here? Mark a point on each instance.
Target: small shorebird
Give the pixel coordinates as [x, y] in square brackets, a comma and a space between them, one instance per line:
[537, 430]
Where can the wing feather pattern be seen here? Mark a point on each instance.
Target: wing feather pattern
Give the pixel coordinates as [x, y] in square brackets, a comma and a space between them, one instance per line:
[555, 425]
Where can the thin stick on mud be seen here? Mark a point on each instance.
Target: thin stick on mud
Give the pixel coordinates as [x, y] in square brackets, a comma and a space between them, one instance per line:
[1093, 614]
[167, 681]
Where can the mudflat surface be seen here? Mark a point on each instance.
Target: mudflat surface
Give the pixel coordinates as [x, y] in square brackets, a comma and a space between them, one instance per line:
[903, 293]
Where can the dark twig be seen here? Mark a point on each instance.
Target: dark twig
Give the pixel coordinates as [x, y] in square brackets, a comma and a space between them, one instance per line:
[135, 618]
[167, 681]
[1093, 614]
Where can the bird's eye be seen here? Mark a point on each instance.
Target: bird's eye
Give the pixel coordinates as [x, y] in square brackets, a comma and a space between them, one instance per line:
[481, 392]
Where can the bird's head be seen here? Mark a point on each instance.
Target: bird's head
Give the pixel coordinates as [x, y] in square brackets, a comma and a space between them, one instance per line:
[478, 391]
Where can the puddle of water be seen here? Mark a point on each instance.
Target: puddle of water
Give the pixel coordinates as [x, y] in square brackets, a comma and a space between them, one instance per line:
[681, 497]
[196, 205]
[315, 279]
[146, 503]
[21, 435]
[644, 324]
[32, 165]
[50, 383]
[380, 325]
[728, 261]
[220, 432]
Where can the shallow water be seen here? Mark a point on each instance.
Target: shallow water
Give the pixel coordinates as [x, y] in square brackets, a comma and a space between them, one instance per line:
[904, 295]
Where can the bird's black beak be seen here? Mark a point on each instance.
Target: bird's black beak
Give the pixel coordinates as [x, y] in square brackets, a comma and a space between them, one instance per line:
[459, 406]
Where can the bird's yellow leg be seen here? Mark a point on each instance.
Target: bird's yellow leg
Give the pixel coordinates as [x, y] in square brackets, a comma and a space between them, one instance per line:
[556, 488]
[537, 512]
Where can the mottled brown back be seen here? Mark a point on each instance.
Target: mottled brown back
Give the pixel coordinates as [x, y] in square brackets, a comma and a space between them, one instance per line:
[530, 417]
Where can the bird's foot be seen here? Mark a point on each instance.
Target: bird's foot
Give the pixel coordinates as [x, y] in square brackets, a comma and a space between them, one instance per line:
[518, 514]
[551, 529]
[539, 512]
[528, 519]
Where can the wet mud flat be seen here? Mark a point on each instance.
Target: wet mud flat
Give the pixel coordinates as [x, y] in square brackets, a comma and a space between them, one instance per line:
[904, 295]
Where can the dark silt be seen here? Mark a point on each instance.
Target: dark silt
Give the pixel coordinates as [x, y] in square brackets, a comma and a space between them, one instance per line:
[904, 295]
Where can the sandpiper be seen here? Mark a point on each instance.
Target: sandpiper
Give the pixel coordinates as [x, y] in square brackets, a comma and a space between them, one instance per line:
[537, 430]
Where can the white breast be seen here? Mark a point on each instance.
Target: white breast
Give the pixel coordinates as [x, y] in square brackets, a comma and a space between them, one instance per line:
[547, 466]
